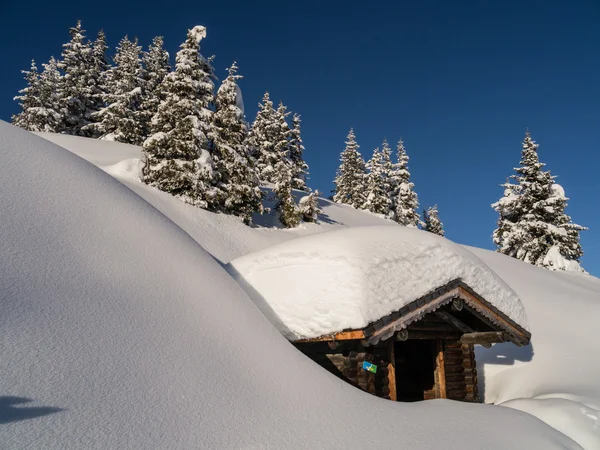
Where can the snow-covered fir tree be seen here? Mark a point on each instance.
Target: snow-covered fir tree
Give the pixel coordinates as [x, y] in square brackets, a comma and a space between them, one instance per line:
[79, 85]
[404, 199]
[288, 211]
[156, 67]
[349, 181]
[533, 226]
[377, 199]
[177, 154]
[39, 101]
[432, 222]
[387, 168]
[239, 192]
[99, 72]
[122, 119]
[296, 150]
[309, 207]
[264, 135]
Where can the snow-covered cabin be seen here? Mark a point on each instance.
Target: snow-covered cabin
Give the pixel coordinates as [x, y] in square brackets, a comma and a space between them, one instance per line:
[392, 310]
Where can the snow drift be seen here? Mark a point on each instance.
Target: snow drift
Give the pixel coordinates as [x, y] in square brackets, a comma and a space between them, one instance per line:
[120, 331]
[349, 278]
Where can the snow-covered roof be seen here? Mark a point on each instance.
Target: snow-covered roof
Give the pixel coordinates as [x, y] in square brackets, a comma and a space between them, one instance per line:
[346, 279]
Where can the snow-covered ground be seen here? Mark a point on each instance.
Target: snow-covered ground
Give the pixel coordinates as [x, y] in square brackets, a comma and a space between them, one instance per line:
[121, 329]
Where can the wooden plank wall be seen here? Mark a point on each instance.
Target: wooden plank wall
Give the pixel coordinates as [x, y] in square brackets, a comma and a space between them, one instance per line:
[461, 373]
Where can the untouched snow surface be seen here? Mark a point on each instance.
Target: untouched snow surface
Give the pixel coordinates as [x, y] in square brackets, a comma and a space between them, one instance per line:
[125, 333]
[348, 278]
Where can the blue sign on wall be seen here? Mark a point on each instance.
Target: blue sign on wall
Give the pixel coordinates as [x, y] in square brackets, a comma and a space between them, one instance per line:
[369, 367]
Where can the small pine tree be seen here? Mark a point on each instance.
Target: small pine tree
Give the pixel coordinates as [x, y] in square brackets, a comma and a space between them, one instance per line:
[177, 154]
[349, 182]
[404, 200]
[376, 199]
[239, 191]
[39, 101]
[263, 137]
[532, 222]
[79, 85]
[432, 222]
[296, 150]
[122, 119]
[156, 67]
[309, 207]
[289, 214]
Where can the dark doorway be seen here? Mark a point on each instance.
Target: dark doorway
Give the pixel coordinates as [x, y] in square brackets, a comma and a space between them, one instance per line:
[415, 366]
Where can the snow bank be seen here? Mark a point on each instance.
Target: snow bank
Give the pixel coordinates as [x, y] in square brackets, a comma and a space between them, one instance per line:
[348, 278]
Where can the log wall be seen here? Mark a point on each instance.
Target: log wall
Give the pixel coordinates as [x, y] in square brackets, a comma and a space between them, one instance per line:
[461, 373]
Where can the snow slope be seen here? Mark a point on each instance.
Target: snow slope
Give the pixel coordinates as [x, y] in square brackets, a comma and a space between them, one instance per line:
[112, 313]
[351, 277]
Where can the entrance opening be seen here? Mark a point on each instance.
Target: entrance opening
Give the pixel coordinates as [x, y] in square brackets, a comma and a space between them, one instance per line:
[415, 368]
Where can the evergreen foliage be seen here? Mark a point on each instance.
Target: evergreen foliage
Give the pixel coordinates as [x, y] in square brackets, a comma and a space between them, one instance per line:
[533, 226]
[177, 154]
[296, 150]
[264, 136]
[309, 207]
[289, 214]
[349, 182]
[238, 186]
[39, 101]
[377, 199]
[79, 87]
[156, 65]
[432, 222]
[122, 119]
[404, 200]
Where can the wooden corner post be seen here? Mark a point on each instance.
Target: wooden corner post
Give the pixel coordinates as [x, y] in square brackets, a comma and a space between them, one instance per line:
[392, 371]
[440, 370]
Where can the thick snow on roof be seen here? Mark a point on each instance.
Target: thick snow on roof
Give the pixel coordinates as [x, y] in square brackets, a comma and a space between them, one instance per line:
[120, 331]
[348, 278]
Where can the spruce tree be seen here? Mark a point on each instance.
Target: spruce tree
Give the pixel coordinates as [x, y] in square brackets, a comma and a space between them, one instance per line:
[289, 214]
[238, 186]
[177, 154]
[532, 223]
[349, 181]
[156, 67]
[99, 71]
[79, 85]
[376, 197]
[39, 101]
[264, 136]
[122, 119]
[28, 99]
[296, 150]
[309, 207]
[432, 222]
[387, 168]
[404, 200]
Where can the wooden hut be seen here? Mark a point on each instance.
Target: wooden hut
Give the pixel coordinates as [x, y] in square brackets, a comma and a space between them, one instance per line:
[421, 352]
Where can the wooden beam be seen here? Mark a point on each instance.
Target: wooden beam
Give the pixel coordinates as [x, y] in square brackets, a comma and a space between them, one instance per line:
[450, 335]
[454, 321]
[440, 369]
[487, 337]
[519, 337]
[392, 371]
[341, 336]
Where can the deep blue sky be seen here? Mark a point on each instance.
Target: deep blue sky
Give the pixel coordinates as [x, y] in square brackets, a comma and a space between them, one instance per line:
[459, 81]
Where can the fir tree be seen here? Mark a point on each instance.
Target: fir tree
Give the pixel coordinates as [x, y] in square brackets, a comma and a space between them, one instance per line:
[349, 182]
[79, 89]
[177, 154]
[239, 191]
[386, 172]
[40, 103]
[264, 136]
[532, 223]
[122, 119]
[404, 200]
[156, 65]
[432, 222]
[99, 72]
[377, 198]
[289, 214]
[296, 149]
[309, 207]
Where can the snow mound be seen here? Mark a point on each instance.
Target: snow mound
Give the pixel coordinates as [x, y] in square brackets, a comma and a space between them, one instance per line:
[130, 169]
[348, 278]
